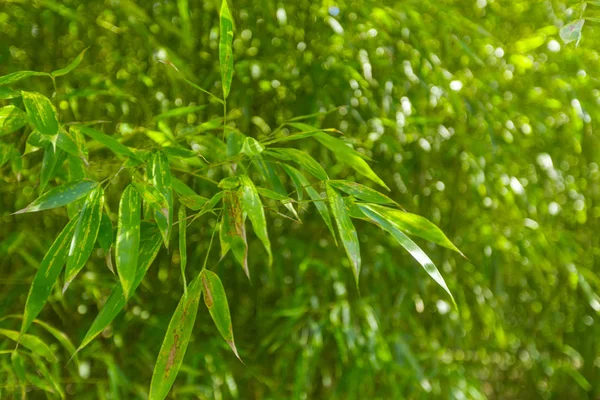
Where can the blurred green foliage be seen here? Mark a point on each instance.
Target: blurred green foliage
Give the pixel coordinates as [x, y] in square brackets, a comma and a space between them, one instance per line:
[476, 114]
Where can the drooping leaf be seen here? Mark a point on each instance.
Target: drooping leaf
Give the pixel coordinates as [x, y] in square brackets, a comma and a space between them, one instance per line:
[252, 206]
[47, 274]
[152, 197]
[177, 338]
[48, 164]
[415, 225]
[232, 230]
[40, 112]
[182, 220]
[346, 230]
[300, 157]
[319, 202]
[61, 196]
[226, 48]
[105, 233]
[286, 201]
[149, 246]
[17, 76]
[160, 173]
[215, 299]
[408, 244]
[194, 202]
[128, 238]
[85, 234]
[572, 31]
[349, 156]
[30, 342]
[361, 192]
[72, 65]
[12, 118]
[108, 141]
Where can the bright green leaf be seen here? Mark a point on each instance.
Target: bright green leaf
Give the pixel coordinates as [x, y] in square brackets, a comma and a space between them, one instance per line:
[72, 65]
[252, 206]
[226, 48]
[30, 342]
[127, 243]
[17, 76]
[11, 119]
[182, 220]
[160, 174]
[61, 196]
[108, 141]
[40, 112]
[361, 192]
[300, 157]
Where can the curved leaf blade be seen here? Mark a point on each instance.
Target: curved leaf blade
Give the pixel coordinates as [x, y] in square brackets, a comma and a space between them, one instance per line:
[253, 207]
[226, 48]
[110, 142]
[12, 118]
[17, 76]
[72, 65]
[128, 237]
[40, 112]
[61, 196]
[361, 192]
[301, 158]
[175, 342]
[30, 342]
[232, 230]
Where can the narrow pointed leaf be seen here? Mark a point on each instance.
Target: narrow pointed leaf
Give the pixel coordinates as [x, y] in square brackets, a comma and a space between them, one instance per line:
[319, 202]
[40, 112]
[30, 342]
[349, 156]
[226, 48]
[11, 119]
[408, 244]
[253, 207]
[346, 230]
[72, 65]
[232, 230]
[361, 192]
[105, 233]
[85, 234]
[61, 196]
[108, 141]
[215, 299]
[194, 202]
[47, 274]
[128, 238]
[286, 201]
[152, 197]
[302, 158]
[48, 164]
[149, 246]
[181, 217]
[175, 342]
[160, 173]
[181, 188]
[17, 76]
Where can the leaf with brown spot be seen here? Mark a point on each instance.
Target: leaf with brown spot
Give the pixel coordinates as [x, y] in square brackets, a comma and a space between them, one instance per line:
[215, 299]
[232, 230]
[175, 342]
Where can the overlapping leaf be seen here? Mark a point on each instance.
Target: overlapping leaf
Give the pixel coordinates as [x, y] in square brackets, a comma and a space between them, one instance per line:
[40, 112]
[128, 237]
[12, 118]
[252, 206]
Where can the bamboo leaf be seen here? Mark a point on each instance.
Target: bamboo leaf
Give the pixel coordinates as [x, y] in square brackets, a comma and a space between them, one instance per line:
[12, 118]
[30, 342]
[128, 238]
[160, 173]
[215, 299]
[175, 342]
[47, 274]
[61, 196]
[194, 202]
[105, 233]
[226, 48]
[232, 230]
[286, 201]
[361, 192]
[349, 156]
[181, 217]
[108, 141]
[17, 76]
[302, 158]
[252, 147]
[346, 230]
[152, 197]
[149, 246]
[85, 234]
[408, 244]
[40, 112]
[252, 206]
[48, 164]
[72, 65]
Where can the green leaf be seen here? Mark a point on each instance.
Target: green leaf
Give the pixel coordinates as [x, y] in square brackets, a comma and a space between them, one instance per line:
[160, 173]
[11, 119]
[349, 156]
[181, 217]
[194, 202]
[61, 196]
[226, 48]
[232, 231]
[105, 233]
[178, 152]
[17, 76]
[415, 225]
[152, 197]
[318, 201]
[215, 299]
[177, 112]
[30, 342]
[286, 201]
[408, 244]
[346, 230]
[40, 112]
[108, 141]
[175, 342]
[47, 274]
[149, 246]
[7, 93]
[572, 31]
[252, 206]
[72, 65]
[252, 147]
[229, 183]
[181, 188]
[85, 234]
[48, 164]
[361, 192]
[302, 158]
[128, 238]
[18, 367]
